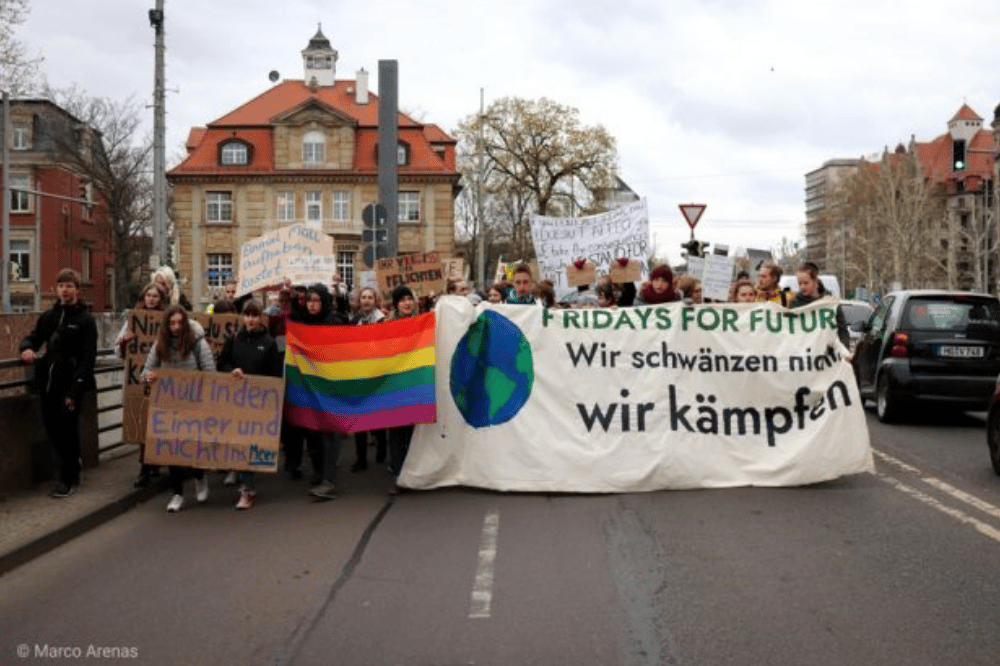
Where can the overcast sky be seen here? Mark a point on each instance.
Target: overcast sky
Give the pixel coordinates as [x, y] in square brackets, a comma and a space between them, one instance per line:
[723, 102]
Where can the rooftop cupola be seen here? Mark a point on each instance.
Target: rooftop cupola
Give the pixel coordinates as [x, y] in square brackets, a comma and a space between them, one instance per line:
[319, 60]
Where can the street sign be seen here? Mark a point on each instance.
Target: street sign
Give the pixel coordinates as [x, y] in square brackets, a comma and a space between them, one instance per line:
[692, 213]
[373, 215]
[366, 254]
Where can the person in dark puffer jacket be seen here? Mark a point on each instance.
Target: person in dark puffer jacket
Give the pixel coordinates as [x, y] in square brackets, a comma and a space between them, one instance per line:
[65, 373]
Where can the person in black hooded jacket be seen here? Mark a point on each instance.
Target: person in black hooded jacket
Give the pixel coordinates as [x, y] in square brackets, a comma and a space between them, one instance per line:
[252, 351]
[65, 373]
[323, 447]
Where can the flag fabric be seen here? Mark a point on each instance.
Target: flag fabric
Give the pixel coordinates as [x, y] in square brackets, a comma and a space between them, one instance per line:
[356, 378]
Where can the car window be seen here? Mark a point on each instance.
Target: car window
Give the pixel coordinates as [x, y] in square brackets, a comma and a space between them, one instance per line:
[943, 314]
[881, 314]
[855, 313]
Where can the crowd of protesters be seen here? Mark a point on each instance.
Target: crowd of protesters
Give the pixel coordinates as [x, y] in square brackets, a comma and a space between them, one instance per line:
[68, 333]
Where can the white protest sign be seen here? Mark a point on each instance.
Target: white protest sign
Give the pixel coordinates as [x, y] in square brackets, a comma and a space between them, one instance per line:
[311, 269]
[620, 233]
[637, 399]
[263, 260]
[717, 277]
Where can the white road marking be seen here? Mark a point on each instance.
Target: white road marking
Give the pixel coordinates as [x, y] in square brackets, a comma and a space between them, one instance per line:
[960, 495]
[482, 589]
[981, 527]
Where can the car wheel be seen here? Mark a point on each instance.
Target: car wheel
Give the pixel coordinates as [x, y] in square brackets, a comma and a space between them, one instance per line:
[993, 439]
[887, 406]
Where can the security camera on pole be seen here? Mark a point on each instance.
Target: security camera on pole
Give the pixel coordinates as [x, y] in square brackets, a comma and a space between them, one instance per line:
[692, 213]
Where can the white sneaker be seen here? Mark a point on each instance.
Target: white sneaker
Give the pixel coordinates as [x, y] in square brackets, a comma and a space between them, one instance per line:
[201, 489]
[230, 479]
[175, 504]
[246, 499]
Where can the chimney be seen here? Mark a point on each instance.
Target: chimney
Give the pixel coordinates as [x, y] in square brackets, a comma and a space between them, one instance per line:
[361, 87]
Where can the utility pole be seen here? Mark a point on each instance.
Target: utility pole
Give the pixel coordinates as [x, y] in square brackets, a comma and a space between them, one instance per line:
[159, 141]
[481, 224]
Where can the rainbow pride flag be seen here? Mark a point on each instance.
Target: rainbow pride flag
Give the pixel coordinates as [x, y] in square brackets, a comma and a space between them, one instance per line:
[357, 378]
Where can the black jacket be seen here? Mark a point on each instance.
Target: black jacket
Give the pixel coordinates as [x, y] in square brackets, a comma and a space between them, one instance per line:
[69, 334]
[254, 352]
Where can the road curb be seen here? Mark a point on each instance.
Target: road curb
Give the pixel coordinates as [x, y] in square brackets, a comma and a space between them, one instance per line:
[49, 542]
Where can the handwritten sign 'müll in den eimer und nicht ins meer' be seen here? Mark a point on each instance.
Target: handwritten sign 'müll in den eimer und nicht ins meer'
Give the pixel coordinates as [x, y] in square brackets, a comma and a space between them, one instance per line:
[214, 420]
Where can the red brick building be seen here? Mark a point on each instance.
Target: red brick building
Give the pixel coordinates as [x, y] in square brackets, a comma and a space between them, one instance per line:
[48, 233]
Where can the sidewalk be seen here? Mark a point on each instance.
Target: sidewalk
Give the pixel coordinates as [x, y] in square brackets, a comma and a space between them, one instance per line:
[32, 523]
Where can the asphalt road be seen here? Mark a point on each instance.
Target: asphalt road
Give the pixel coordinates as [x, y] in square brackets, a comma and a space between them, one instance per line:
[893, 568]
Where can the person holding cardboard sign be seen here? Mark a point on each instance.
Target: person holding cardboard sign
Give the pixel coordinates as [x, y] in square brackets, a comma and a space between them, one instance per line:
[177, 347]
[252, 351]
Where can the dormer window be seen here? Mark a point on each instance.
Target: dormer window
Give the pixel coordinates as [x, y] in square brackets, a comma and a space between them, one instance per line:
[234, 153]
[402, 154]
[314, 148]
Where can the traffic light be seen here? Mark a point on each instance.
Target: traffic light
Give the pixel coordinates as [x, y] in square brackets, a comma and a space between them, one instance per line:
[958, 155]
[695, 248]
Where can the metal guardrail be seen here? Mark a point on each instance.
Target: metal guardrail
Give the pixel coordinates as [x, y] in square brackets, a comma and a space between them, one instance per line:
[107, 363]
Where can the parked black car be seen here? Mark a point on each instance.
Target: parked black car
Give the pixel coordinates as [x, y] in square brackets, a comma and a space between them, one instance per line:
[928, 346]
[993, 428]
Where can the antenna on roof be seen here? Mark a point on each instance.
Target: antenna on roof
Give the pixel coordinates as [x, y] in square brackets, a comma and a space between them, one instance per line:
[274, 76]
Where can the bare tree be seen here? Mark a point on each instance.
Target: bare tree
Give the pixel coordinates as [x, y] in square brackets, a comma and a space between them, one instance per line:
[107, 149]
[536, 158]
[20, 73]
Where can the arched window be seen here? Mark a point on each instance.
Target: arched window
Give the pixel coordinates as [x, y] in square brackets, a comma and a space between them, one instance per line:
[314, 148]
[234, 153]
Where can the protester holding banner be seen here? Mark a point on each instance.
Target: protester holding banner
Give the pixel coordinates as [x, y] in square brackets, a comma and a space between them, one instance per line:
[252, 351]
[521, 293]
[324, 448]
[811, 290]
[403, 306]
[659, 289]
[495, 294]
[768, 288]
[178, 347]
[690, 289]
[743, 291]
[369, 312]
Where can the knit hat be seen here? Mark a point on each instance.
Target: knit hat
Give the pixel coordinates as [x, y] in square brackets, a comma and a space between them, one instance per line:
[662, 272]
[401, 292]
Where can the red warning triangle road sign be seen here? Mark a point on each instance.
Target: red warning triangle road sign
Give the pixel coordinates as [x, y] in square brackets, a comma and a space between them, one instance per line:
[692, 213]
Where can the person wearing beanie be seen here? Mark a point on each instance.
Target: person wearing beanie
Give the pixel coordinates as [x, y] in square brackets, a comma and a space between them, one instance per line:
[659, 289]
[403, 306]
[403, 302]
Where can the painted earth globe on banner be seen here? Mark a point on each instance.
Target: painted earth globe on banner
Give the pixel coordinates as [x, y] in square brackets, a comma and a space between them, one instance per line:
[492, 371]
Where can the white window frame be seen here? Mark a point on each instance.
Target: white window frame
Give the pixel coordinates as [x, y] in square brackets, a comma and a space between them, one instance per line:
[21, 256]
[341, 205]
[235, 153]
[314, 147]
[218, 207]
[20, 202]
[86, 257]
[409, 206]
[285, 203]
[21, 139]
[402, 154]
[314, 206]
[218, 269]
[345, 266]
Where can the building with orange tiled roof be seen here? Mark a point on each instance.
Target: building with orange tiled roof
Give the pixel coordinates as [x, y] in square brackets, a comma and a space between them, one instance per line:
[961, 167]
[305, 151]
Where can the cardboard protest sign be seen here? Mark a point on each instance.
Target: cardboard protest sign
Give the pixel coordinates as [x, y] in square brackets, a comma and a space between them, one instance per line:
[422, 272]
[558, 241]
[212, 420]
[501, 272]
[220, 327]
[264, 260]
[629, 271]
[581, 274]
[455, 268]
[145, 326]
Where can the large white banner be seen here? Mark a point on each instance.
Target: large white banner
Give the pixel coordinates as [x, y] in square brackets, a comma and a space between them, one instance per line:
[638, 399]
[620, 233]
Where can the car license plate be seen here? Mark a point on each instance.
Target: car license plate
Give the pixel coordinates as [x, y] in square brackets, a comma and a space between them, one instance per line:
[956, 351]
